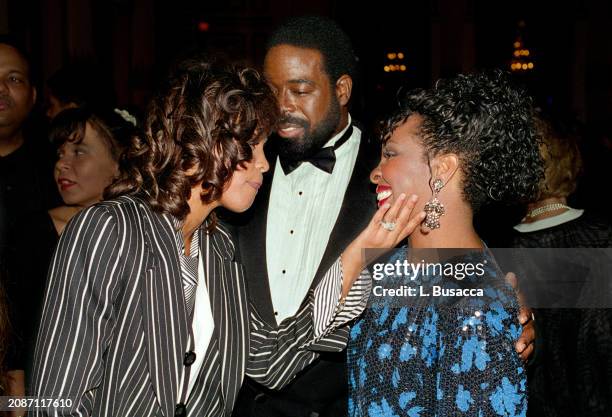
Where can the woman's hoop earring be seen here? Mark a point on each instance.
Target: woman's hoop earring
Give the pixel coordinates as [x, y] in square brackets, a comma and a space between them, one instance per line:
[434, 209]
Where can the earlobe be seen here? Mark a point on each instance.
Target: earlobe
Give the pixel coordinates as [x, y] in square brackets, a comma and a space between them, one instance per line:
[344, 87]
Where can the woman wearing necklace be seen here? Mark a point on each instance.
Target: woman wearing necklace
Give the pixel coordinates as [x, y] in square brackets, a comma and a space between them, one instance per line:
[457, 146]
[572, 375]
[550, 222]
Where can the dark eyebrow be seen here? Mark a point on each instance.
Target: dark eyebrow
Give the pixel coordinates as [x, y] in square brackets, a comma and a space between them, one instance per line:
[301, 81]
[18, 71]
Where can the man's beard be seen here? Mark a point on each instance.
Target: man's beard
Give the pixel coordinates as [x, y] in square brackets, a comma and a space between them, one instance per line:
[299, 149]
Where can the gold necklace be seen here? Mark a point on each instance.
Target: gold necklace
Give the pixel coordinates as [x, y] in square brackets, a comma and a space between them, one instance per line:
[548, 207]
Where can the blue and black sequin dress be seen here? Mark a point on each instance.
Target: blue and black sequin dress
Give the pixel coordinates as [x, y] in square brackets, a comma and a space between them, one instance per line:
[438, 356]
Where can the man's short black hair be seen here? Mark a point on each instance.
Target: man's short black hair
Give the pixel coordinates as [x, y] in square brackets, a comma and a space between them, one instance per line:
[322, 34]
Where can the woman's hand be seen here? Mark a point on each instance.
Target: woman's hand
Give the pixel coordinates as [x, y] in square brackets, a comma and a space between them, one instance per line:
[388, 227]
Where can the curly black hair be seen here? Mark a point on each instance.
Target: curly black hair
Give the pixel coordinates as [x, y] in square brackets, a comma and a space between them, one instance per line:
[322, 34]
[489, 123]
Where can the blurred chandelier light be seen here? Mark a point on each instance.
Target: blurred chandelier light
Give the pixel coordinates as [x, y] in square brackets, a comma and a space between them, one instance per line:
[395, 62]
[522, 61]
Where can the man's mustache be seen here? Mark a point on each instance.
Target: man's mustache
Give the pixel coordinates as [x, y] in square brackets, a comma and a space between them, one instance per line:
[292, 120]
[6, 100]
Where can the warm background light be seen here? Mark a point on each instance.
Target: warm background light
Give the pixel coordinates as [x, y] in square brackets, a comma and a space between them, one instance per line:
[519, 62]
[397, 64]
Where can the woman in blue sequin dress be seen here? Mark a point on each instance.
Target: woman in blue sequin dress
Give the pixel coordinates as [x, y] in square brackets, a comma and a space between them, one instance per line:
[457, 146]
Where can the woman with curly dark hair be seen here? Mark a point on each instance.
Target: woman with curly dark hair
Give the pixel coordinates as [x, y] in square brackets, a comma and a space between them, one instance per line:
[146, 310]
[444, 346]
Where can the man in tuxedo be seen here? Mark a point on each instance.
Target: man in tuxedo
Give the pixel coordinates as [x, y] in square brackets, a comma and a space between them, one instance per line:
[318, 200]
[26, 161]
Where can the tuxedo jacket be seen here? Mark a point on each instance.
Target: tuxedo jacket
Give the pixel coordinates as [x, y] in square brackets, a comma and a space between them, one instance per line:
[114, 328]
[321, 382]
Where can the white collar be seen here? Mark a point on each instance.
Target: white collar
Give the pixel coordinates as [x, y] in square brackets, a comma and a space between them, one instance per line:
[566, 216]
[339, 135]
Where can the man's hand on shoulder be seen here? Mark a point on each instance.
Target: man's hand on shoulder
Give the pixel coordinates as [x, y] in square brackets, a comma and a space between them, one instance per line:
[525, 344]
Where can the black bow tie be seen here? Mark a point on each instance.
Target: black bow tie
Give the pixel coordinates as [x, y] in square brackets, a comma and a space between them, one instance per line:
[324, 158]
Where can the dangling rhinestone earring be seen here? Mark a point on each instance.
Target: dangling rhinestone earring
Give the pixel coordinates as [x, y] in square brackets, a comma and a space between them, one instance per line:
[434, 209]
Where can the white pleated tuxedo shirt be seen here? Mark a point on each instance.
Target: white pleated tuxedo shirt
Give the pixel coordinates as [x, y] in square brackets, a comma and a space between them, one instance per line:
[303, 210]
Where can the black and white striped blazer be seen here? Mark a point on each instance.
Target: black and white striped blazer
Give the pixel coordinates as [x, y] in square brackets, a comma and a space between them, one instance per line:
[114, 329]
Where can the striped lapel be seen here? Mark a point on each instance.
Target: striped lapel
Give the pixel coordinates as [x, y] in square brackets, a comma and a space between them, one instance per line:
[164, 312]
[224, 278]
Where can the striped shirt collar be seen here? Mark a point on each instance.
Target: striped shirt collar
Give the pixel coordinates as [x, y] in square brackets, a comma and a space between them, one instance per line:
[177, 227]
[221, 239]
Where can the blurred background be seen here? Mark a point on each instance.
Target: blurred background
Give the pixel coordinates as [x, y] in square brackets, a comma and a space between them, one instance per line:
[562, 51]
[566, 47]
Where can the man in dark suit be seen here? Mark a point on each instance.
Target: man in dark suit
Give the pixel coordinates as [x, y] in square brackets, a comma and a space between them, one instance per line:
[317, 201]
[26, 183]
[312, 208]
[26, 161]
